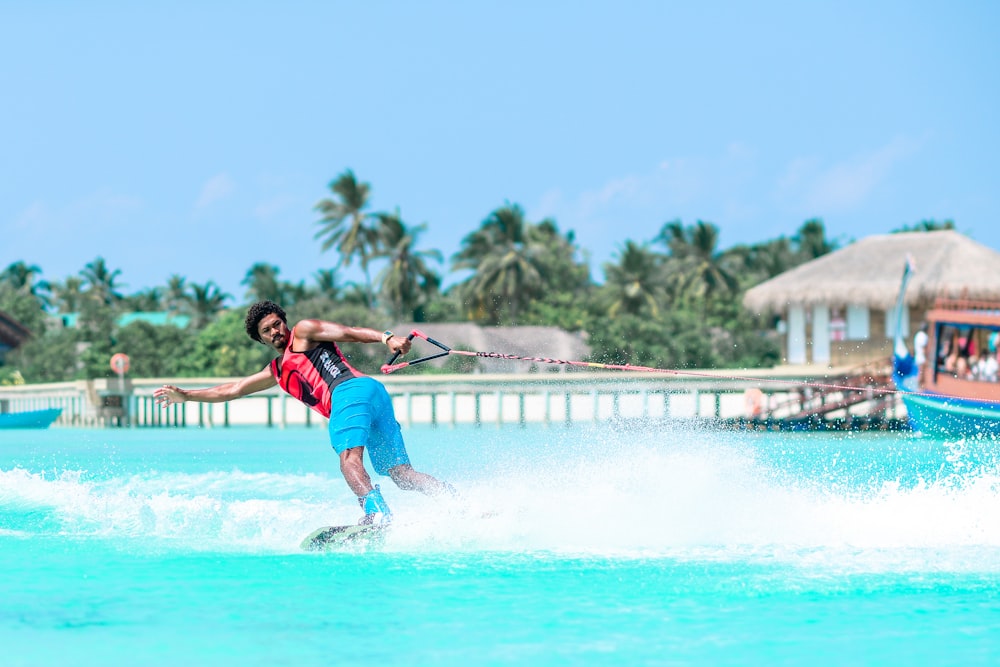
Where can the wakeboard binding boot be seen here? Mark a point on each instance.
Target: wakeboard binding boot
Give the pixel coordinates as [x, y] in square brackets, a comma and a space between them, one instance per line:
[377, 512]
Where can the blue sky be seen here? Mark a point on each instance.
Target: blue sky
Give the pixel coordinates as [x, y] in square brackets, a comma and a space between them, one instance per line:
[196, 138]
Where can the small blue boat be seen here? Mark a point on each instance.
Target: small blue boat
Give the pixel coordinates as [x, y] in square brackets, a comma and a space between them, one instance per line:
[30, 419]
[954, 392]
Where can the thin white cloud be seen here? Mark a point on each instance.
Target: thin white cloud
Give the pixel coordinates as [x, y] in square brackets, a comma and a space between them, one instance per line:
[807, 185]
[275, 206]
[34, 215]
[677, 187]
[98, 210]
[215, 189]
[105, 202]
[549, 205]
[624, 189]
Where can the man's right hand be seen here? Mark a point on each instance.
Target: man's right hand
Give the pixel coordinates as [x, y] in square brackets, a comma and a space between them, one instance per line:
[169, 395]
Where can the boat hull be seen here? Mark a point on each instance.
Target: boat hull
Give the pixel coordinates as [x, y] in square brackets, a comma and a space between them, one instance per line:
[30, 419]
[937, 415]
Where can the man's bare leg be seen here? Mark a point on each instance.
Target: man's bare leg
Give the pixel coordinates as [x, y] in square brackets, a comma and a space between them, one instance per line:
[409, 479]
[369, 497]
[352, 465]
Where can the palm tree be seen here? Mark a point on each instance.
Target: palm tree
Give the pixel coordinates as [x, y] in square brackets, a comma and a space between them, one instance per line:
[697, 268]
[674, 236]
[178, 299]
[635, 282]
[292, 293]
[346, 225]
[101, 282]
[68, 296]
[263, 284]
[207, 301]
[561, 268]
[327, 284]
[811, 240]
[146, 301]
[22, 278]
[763, 261]
[506, 264]
[407, 283]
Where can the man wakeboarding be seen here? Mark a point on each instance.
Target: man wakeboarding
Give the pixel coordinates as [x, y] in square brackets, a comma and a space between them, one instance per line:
[311, 368]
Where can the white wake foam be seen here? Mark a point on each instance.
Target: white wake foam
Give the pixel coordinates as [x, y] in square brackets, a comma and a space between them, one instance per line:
[653, 498]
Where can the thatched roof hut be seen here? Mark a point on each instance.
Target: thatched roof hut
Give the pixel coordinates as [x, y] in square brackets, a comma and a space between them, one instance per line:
[869, 271]
[12, 332]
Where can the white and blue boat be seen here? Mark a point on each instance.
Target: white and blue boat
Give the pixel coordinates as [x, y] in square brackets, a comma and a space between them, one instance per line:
[30, 418]
[953, 390]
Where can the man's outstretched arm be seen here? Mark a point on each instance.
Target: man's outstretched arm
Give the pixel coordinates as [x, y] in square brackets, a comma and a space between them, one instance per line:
[169, 394]
[319, 330]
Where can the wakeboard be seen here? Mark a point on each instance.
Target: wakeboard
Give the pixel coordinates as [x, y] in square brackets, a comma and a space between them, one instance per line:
[333, 537]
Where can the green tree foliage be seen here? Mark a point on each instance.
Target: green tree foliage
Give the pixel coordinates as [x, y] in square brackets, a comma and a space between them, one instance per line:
[563, 262]
[49, 358]
[633, 339]
[697, 271]
[146, 301]
[328, 284]
[23, 296]
[408, 283]
[447, 307]
[207, 301]
[719, 337]
[97, 332]
[763, 261]
[811, 240]
[635, 284]
[102, 282]
[68, 295]
[348, 226]
[153, 351]
[767, 259]
[223, 349]
[930, 225]
[507, 258]
[177, 299]
[263, 284]
[25, 279]
[566, 310]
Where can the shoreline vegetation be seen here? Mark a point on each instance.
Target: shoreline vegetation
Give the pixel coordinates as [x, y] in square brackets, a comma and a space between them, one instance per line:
[670, 301]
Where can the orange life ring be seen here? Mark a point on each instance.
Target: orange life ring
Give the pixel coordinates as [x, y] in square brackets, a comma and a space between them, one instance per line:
[119, 363]
[754, 401]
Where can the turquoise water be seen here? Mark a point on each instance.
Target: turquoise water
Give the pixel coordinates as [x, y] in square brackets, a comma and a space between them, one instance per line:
[658, 545]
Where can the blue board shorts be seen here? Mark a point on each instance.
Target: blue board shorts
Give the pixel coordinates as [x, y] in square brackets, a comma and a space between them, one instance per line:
[361, 415]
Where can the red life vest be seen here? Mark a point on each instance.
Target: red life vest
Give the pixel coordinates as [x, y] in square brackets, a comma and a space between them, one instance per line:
[311, 376]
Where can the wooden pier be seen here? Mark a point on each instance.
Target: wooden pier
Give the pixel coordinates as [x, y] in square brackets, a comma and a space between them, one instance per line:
[482, 400]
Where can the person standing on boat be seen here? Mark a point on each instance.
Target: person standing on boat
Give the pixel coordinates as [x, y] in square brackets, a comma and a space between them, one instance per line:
[920, 346]
[987, 368]
[311, 368]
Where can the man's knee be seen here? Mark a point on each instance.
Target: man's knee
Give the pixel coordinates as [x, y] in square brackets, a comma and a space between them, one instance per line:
[350, 458]
[403, 475]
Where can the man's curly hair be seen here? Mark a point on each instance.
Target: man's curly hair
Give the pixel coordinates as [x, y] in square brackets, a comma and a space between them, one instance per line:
[259, 311]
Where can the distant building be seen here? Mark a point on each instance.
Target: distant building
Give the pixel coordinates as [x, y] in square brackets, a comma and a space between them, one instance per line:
[71, 320]
[839, 309]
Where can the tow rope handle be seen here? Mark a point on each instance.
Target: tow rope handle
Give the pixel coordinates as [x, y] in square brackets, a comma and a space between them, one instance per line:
[390, 365]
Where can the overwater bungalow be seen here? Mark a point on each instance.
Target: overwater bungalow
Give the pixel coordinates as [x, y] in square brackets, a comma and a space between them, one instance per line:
[839, 310]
